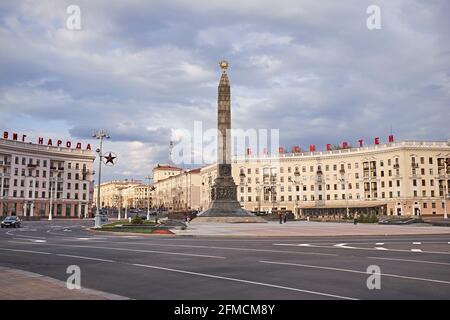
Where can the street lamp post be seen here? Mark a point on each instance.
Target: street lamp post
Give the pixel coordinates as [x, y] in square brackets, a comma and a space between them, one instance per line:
[445, 187]
[243, 184]
[50, 210]
[55, 180]
[297, 185]
[148, 196]
[100, 134]
[342, 180]
[2, 175]
[258, 192]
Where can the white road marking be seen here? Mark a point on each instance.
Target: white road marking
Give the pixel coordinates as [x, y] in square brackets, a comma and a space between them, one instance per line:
[232, 248]
[32, 240]
[344, 246]
[131, 250]
[417, 242]
[354, 271]
[27, 251]
[379, 243]
[416, 250]
[243, 281]
[19, 235]
[410, 260]
[380, 248]
[82, 257]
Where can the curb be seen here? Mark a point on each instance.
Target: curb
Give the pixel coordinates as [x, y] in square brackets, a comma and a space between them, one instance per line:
[131, 233]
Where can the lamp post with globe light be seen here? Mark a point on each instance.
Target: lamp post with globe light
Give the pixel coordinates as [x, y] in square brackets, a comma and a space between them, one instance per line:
[100, 134]
[149, 189]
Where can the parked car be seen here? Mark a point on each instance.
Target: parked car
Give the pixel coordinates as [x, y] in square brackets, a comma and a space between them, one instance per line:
[11, 221]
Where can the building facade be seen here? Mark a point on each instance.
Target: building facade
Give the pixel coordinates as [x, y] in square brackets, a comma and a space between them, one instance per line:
[161, 172]
[37, 177]
[178, 192]
[398, 178]
[124, 194]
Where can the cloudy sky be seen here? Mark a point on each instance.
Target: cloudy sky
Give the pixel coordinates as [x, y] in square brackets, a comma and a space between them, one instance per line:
[144, 69]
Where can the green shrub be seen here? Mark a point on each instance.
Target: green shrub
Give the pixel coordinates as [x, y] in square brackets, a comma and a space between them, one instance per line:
[137, 220]
[368, 218]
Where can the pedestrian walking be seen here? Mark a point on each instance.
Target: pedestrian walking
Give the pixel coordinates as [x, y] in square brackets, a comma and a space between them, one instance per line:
[285, 217]
[355, 218]
[280, 216]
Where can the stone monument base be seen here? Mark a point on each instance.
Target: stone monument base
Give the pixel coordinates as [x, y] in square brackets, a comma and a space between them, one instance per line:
[234, 219]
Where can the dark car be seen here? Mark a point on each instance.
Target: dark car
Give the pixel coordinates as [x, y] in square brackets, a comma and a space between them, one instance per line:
[11, 221]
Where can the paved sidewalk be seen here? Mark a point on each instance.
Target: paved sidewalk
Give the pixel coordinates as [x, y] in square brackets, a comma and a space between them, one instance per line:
[23, 285]
[304, 228]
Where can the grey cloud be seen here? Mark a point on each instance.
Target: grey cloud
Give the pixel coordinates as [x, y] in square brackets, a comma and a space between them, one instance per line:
[309, 68]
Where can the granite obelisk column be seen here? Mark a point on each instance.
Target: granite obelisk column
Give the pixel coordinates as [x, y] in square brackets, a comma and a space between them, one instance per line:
[224, 191]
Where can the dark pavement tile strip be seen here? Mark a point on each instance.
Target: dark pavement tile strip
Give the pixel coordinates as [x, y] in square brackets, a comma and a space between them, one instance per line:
[23, 285]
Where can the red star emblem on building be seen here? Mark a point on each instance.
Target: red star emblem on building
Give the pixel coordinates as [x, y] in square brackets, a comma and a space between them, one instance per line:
[110, 158]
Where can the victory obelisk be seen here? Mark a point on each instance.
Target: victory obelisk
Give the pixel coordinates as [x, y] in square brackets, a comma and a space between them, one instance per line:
[224, 205]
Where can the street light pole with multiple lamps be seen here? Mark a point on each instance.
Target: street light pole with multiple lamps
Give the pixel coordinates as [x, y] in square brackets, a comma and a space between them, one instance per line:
[100, 134]
[148, 195]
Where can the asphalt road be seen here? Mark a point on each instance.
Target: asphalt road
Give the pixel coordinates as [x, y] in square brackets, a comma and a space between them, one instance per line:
[167, 267]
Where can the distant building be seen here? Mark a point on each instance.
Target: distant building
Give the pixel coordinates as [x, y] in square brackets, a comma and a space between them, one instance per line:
[161, 172]
[123, 194]
[178, 191]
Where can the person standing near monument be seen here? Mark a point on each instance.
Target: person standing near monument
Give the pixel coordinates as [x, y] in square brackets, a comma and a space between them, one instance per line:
[280, 217]
[355, 218]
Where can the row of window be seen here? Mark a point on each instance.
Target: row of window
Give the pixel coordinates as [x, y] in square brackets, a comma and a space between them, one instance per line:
[43, 184]
[44, 194]
[366, 165]
[282, 198]
[44, 174]
[37, 163]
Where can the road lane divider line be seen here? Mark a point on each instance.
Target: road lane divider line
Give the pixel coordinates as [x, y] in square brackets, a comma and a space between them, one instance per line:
[353, 271]
[32, 240]
[344, 246]
[379, 243]
[243, 281]
[83, 257]
[19, 235]
[416, 250]
[124, 249]
[411, 260]
[25, 251]
[232, 248]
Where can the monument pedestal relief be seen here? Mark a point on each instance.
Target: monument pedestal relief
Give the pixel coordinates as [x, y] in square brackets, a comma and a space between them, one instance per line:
[224, 206]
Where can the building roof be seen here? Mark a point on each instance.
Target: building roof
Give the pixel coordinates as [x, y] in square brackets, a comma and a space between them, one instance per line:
[166, 167]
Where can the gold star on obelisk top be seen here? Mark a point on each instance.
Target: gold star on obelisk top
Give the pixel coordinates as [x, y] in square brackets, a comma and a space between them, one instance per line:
[110, 158]
[224, 65]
